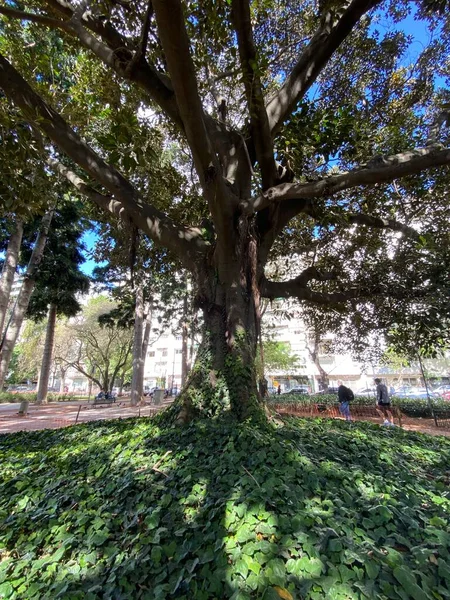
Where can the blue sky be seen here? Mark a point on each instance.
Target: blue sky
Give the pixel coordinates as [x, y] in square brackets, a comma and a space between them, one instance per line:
[89, 239]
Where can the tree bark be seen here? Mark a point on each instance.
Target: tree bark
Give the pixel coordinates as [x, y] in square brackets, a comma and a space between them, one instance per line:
[223, 378]
[184, 343]
[137, 382]
[9, 270]
[148, 312]
[23, 299]
[47, 357]
[314, 354]
[62, 383]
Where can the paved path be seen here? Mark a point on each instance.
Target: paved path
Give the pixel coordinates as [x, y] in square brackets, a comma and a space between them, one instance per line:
[55, 415]
[63, 414]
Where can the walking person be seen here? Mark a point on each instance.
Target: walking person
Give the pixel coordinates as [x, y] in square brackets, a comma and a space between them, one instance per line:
[384, 403]
[345, 396]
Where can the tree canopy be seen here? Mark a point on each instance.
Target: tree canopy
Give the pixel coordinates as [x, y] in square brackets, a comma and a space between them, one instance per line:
[295, 129]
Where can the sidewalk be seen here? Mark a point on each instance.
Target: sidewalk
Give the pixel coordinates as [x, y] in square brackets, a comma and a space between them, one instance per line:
[55, 415]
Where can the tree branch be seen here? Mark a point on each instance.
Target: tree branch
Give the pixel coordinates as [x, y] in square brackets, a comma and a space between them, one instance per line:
[33, 18]
[184, 242]
[122, 60]
[175, 42]
[316, 55]
[378, 170]
[380, 223]
[253, 90]
[296, 288]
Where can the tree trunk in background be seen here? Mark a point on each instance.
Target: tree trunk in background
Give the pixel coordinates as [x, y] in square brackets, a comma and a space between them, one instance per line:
[147, 329]
[23, 299]
[314, 354]
[137, 382]
[62, 383]
[184, 343]
[47, 357]
[9, 270]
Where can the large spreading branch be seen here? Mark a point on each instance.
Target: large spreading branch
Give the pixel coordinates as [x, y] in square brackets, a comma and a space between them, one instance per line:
[184, 242]
[314, 58]
[253, 90]
[113, 49]
[175, 42]
[378, 170]
[297, 288]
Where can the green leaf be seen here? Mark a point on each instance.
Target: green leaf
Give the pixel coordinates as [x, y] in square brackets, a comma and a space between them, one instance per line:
[406, 578]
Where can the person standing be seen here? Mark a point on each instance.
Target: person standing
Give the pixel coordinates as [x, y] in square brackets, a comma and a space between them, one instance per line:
[279, 390]
[345, 396]
[384, 403]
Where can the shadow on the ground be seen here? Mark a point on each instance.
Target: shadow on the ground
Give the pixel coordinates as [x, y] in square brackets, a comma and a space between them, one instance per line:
[313, 509]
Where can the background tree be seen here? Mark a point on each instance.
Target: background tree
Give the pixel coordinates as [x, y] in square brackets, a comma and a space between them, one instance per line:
[277, 357]
[100, 352]
[324, 140]
[58, 282]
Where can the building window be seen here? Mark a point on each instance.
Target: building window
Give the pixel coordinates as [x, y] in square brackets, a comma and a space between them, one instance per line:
[178, 351]
[164, 351]
[178, 338]
[151, 354]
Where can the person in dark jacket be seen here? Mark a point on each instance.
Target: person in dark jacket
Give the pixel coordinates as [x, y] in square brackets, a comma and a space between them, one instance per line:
[345, 396]
[384, 403]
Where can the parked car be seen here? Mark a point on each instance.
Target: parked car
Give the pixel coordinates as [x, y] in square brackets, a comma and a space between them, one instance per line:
[300, 389]
[272, 390]
[368, 392]
[331, 390]
[413, 394]
[441, 390]
[21, 388]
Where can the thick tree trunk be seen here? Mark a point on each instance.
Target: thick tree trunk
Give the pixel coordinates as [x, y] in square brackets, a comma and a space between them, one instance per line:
[9, 270]
[137, 382]
[223, 378]
[23, 299]
[47, 357]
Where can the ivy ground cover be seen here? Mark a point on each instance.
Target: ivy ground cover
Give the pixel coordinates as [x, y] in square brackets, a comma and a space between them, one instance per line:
[308, 510]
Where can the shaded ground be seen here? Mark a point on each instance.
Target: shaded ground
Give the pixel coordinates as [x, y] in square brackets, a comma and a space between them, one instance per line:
[315, 509]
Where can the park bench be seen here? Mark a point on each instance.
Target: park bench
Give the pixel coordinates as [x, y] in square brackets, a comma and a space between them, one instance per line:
[98, 401]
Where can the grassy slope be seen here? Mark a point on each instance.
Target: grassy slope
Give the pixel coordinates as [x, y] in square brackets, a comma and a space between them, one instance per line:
[315, 509]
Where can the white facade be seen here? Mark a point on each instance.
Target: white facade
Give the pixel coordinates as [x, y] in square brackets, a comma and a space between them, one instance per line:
[162, 366]
[293, 332]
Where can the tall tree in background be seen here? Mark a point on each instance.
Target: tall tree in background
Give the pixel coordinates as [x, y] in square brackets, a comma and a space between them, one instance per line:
[20, 307]
[325, 141]
[9, 269]
[58, 282]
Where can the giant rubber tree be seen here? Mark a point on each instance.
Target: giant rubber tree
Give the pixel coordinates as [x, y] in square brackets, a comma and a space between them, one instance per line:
[304, 122]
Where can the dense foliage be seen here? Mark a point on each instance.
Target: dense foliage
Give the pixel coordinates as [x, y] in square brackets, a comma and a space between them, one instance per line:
[310, 510]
